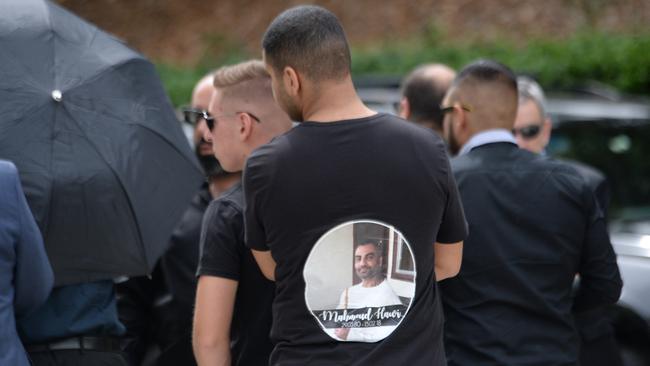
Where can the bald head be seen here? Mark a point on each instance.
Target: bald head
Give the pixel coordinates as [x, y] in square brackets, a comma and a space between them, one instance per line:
[489, 89]
[422, 93]
[201, 96]
[203, 92]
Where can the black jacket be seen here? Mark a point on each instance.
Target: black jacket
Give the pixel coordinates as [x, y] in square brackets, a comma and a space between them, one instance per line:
[534, 224]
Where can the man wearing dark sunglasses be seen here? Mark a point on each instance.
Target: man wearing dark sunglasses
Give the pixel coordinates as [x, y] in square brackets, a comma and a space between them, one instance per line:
[532, 127]
[157, 311]
[598, 346]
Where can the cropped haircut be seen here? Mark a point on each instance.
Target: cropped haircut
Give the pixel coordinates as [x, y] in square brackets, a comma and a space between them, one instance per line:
[529, 90]
[487, 71]
[248, 79]
[235, 74]
[309, 39]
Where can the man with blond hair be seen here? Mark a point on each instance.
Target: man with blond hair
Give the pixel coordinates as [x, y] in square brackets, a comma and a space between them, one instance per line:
[233, 302]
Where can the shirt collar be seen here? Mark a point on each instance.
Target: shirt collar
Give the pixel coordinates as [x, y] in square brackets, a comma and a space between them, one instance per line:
[487, 137]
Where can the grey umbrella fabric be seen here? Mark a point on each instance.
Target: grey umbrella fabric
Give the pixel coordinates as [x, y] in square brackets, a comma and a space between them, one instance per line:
[103, 161]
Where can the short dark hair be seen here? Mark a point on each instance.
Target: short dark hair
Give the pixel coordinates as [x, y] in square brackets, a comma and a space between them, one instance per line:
[311, 40]
[488, 71]
[378, 244]
[424, 96]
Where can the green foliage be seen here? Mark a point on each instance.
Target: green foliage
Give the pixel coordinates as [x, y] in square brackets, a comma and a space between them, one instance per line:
[218, 50]
[621, 60]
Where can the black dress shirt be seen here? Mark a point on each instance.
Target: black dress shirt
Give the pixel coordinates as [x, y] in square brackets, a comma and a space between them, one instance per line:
[534, 224]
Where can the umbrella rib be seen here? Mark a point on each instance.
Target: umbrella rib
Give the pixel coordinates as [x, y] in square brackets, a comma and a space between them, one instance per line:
[137, 225]
[171, 143]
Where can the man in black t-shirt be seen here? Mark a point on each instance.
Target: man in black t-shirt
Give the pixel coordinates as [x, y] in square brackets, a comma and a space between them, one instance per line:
[314, 192]
[233, 316]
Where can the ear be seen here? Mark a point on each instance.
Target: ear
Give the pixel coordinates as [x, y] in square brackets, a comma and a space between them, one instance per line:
[461, 118]
[245, 126]
[291, 81]
[404, 108]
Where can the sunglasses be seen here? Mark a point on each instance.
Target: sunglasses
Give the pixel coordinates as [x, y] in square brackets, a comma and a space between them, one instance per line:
[194, 116]
[527, 132]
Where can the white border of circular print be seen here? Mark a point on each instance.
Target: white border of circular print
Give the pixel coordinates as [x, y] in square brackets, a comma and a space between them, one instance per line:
[311, 258]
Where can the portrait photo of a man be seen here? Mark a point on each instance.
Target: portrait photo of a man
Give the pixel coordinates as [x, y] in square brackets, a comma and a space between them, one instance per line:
[366, 300]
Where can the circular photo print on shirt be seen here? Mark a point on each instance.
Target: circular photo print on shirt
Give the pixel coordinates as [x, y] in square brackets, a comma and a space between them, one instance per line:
[360, 280]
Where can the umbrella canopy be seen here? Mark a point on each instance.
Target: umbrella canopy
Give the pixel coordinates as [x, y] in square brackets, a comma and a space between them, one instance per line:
[103, 161]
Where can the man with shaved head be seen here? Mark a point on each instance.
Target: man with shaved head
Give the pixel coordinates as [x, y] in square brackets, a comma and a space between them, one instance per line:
[422, 93]
[534, 225]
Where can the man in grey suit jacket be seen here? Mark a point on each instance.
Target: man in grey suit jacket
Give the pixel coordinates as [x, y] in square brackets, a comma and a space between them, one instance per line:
[534, 224]
[25, 274]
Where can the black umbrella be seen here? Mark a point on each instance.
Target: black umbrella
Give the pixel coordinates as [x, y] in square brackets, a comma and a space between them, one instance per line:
[105, 166]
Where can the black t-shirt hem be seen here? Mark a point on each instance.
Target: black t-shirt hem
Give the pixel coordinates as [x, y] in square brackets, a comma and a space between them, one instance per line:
[218, 273]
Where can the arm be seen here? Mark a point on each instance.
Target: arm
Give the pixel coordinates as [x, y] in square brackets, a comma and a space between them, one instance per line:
[33, 273]
[215, 300]
[600, 280]
[266, 263]
[448, 258]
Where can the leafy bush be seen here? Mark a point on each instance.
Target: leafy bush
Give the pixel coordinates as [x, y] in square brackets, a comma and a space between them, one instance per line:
[621, 60]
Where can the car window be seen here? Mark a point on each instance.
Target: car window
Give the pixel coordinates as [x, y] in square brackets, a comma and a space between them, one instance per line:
[621, 150]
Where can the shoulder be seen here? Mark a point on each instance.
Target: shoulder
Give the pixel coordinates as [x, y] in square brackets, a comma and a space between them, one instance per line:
[590, 173]
[225, 208]
[232, 197]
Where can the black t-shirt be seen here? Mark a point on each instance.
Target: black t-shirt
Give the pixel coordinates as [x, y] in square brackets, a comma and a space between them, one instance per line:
[350, 211]
[223, 254]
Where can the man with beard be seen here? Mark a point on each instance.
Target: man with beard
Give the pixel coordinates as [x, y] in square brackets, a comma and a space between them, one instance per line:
[535, 224]
[343, 163]
[158, 310]
[373, 291]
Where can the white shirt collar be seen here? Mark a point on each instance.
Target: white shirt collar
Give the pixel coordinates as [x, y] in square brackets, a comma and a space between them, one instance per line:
[487, 137]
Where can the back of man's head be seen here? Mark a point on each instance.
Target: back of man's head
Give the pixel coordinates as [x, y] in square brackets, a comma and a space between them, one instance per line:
[489, 90]
[246, 87]
[309, 39]
[422, 92]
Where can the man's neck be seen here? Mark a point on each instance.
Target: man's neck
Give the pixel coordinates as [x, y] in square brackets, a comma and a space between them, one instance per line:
[372, 282]
[335, 101]
[221, 184]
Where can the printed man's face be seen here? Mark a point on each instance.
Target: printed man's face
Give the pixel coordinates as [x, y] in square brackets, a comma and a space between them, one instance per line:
[367, 261]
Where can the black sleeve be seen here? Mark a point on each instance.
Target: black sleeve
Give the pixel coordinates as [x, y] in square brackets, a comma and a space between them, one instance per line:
[453, 227]
[600, 280]
[254, 183]
[222, 241]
